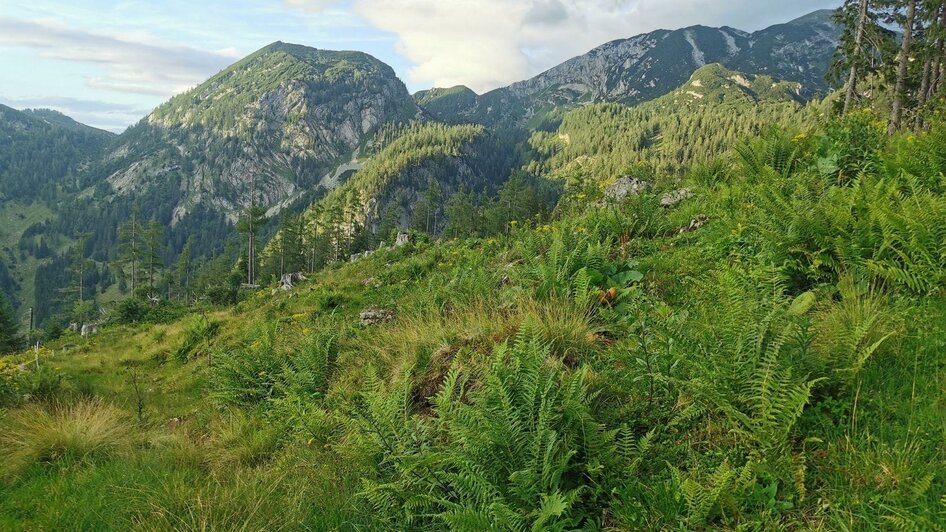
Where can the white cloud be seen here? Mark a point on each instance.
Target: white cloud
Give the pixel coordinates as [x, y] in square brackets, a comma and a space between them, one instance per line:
[489, 43]
[128, 63]
[106, 115]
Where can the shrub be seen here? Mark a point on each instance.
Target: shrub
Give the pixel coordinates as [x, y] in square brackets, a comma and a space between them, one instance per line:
[82, 431]
[263, 372]
[518, 448]
[852, 146]
[130, 310]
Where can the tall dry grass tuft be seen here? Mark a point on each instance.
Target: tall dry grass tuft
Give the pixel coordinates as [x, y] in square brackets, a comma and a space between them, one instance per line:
[567, 326]
[89, 429]
[246, 500]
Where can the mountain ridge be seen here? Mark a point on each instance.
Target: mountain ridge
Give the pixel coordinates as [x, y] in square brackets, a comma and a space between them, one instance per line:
[646, 66]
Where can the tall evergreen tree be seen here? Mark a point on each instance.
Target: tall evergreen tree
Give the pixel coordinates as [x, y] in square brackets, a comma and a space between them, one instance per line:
[10, 339]
[251, 222]
[153, 240]
[461, 215]
[856, 53]
[131, 247]
[79, 266]
[183, 269]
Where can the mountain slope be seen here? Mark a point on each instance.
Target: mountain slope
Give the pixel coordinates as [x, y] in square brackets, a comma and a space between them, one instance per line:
[42, 153]
[386, 194]
[278, 121]
[694, 123]
[39, 148]
[647, 66]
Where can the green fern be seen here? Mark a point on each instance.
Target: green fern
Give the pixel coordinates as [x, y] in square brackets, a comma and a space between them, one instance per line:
[506, 453]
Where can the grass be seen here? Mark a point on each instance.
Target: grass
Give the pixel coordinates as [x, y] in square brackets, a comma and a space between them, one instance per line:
[720, 388]
[87, 430]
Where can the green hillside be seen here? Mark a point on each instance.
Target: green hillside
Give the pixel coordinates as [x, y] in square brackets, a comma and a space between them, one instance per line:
[695, 123]
[641, 291]
[765, 354]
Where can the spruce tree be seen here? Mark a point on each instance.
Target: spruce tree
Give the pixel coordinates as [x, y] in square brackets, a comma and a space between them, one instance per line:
[10, 339]
[153, 240]
[131, 237]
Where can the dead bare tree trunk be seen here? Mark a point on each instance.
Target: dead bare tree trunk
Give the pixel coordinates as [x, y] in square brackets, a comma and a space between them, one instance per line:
[855, 56]
[896, 115]
[936, 73]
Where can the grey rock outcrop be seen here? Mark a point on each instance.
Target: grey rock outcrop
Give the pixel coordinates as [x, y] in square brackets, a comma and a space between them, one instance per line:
[676, 197]
[623, 188]
[695, 224]
[374, 316]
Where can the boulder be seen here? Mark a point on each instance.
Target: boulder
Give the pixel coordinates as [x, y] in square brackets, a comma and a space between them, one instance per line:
[623, 188]
[403, 239]
[89, 329]
[672, 199]
[374, 316]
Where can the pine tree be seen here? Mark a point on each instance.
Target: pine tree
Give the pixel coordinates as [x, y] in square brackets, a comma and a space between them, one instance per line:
[252, 220]
[432, 200]
[290, 250]
[183, 269]
[79, 268]
[10, 340]
[460, 214]
[131, 238]
[153, 240]
[856, 54]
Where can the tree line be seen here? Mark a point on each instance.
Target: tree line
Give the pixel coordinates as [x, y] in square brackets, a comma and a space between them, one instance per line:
[908, 66]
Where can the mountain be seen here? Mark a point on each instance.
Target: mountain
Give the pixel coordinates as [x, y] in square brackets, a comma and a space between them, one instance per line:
[650, 65]
[40, 148]
[42, 153]
[407, 183]
[277, 121]
[288, 124]
[694, 123]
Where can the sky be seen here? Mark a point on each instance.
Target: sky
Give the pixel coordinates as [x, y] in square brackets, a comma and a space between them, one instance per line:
[108, 63]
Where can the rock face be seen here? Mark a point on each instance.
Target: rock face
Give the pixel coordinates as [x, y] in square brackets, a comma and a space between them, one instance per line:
[647, 66]
[89, 329]
[623, 188]
[276, 122]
